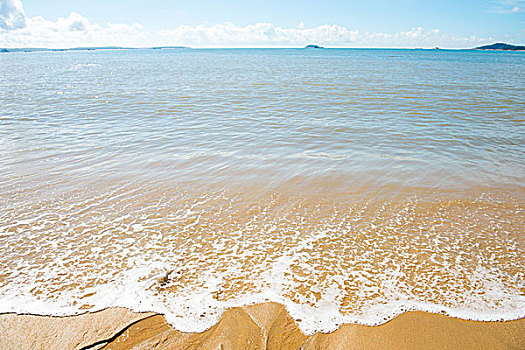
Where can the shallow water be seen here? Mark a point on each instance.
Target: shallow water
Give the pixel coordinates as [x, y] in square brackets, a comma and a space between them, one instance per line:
[350, 185]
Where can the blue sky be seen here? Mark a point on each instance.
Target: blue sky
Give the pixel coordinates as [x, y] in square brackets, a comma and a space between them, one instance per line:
[269, 23]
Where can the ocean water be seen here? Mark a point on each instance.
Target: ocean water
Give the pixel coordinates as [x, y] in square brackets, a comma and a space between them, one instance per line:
[349, 185]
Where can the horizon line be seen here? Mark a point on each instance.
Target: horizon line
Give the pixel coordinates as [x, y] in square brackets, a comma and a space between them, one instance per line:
[174, 47]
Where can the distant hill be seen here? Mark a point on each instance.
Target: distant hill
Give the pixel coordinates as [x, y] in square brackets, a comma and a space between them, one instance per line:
[34, 49]
[38, 49]
[501, 46]
[169, 47]
[313, 47]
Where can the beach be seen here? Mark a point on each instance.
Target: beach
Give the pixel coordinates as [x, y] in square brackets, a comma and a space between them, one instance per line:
[261, 326]
[262, 198]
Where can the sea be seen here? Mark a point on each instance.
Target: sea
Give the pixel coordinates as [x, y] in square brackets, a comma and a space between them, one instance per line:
[350, 185]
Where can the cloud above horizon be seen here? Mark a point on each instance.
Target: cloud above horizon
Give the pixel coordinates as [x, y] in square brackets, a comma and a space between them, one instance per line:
[269, 35]
[72, 31]
[259, 34]
[12, 14]
[17, 30]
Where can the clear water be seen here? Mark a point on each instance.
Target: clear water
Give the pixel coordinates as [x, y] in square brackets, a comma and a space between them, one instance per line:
[350, 185]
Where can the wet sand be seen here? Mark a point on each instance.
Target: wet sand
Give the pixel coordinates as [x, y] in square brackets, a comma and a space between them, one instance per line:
[261, 326]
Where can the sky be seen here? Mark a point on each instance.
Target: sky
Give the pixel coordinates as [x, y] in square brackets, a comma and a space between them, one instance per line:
[261, 23]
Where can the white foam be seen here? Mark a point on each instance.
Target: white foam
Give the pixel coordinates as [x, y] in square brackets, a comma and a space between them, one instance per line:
[327, 268]
[198, 310]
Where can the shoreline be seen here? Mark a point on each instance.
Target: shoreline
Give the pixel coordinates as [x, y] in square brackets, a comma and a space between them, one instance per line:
[259, 326]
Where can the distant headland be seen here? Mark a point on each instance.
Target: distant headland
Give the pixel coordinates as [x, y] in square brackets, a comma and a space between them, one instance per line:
[501, 47]
[313, 47]
[35, 49]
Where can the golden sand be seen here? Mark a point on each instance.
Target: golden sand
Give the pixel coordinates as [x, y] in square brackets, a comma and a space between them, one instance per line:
[353, 249]
[261, 326]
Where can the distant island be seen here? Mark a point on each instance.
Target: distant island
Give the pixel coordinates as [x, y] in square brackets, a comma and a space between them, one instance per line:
[35, 49]
[313, 47]
[501, 46]
[169, 47]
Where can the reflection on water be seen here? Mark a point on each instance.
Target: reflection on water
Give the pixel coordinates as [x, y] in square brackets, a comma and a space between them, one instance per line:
[348, 184]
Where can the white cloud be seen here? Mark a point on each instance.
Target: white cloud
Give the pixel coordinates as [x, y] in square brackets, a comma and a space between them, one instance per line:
[74, 30]
[76, 22]
[12, 15]
[269, 35]
[259, 34]
[507, 6]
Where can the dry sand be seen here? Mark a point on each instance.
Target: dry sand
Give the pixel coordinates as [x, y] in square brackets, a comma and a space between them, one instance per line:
[262, 326]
